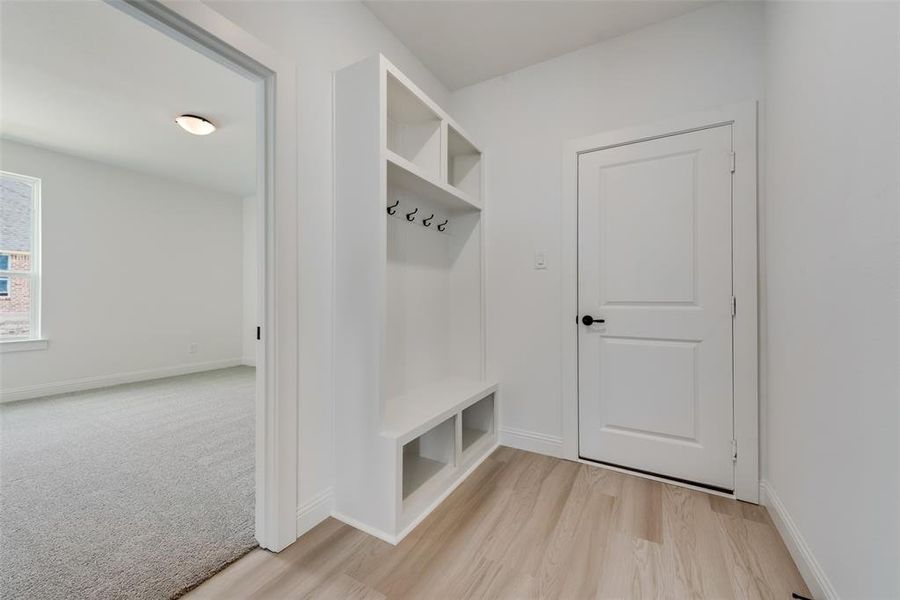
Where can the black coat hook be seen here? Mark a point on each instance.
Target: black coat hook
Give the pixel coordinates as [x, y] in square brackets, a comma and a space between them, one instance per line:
[411, 216]
[393, 207]
[443, 225]
[427, 222]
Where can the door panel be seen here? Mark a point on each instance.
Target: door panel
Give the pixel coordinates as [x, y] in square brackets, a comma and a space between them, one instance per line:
[646, 214]
[664, 404]
[655, 380]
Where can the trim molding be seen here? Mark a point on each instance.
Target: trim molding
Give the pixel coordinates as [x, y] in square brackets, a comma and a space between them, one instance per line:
[809, 567]
[101, 381]
[381, 535]
[249, 361]
[531, 441]
[23, 345]
[316, 510]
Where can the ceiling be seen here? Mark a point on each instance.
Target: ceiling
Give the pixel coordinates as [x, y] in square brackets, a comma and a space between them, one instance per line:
[87, 79]
[464, 42]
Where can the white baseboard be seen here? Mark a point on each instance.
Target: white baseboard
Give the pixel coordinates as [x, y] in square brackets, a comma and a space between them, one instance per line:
[313, 512]
[381, 535]
[101, 381]
[531, 441]
[249, 361]
[809, 567]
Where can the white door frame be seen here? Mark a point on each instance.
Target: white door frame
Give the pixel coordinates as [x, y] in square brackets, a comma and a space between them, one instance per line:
[742, 117]
[210, 33]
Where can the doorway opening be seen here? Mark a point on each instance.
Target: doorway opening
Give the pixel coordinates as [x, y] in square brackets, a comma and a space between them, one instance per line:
[134, 425]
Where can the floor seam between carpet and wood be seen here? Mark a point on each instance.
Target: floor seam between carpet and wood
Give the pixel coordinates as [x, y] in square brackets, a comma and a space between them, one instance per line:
[186, 589]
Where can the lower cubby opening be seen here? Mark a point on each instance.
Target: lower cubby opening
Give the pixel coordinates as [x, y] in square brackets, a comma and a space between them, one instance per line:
[427, 455]
[477, 421]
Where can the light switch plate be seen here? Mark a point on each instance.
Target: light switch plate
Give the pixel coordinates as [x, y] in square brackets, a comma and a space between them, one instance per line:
[540, 259]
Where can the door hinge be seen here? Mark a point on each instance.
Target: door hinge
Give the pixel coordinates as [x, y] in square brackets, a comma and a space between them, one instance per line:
[733, 306]
[734, 450]
[733, 162]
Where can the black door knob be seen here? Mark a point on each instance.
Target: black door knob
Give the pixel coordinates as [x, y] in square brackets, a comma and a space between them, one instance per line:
[589, 320]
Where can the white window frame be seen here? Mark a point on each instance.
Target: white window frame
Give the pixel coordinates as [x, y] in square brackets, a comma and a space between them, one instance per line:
[34, 275]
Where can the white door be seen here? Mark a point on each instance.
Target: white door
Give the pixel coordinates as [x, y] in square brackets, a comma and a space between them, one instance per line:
[654, 263]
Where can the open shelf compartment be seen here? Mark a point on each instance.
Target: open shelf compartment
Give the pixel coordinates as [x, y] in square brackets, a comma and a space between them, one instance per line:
[463, 164]
[409, 178]
[428, 455]
[477, 422]
[413, 128]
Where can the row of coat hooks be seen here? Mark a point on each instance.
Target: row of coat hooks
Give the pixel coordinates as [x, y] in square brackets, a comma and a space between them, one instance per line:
[411, 217]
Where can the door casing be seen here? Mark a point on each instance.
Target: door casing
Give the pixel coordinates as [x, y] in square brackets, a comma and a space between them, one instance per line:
[745, 243]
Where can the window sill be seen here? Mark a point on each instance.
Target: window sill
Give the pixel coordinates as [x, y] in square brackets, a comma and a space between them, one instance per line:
[23, 345]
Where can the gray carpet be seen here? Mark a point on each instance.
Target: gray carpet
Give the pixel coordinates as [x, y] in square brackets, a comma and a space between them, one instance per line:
[134, 491]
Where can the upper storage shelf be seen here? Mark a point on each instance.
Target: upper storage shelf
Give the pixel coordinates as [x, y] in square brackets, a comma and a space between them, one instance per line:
[463, 164]
[426, 152]
[413, 129]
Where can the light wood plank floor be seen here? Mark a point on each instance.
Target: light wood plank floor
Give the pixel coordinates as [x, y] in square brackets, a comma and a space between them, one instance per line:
[529, 526]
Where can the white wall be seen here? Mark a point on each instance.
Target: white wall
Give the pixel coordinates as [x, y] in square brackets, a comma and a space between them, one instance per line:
[707, 58]
[833, 244]
[320, 37]
[250, 283]
[135, 269]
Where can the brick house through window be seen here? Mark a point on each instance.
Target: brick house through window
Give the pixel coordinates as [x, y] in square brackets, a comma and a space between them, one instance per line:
[19, 277]
[15, 305]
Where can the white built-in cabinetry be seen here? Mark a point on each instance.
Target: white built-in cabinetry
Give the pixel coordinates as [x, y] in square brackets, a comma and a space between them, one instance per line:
[414, 412]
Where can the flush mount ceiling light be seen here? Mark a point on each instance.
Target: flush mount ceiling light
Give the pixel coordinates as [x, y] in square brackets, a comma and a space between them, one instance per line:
[196, 125]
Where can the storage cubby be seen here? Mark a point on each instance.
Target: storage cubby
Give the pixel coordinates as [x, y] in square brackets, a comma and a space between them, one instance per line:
[427, 455]
[463, 164]
[477, 422]
[413, 129]
[409, 289]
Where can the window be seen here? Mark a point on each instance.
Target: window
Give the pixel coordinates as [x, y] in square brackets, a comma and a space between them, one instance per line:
[19, 257]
